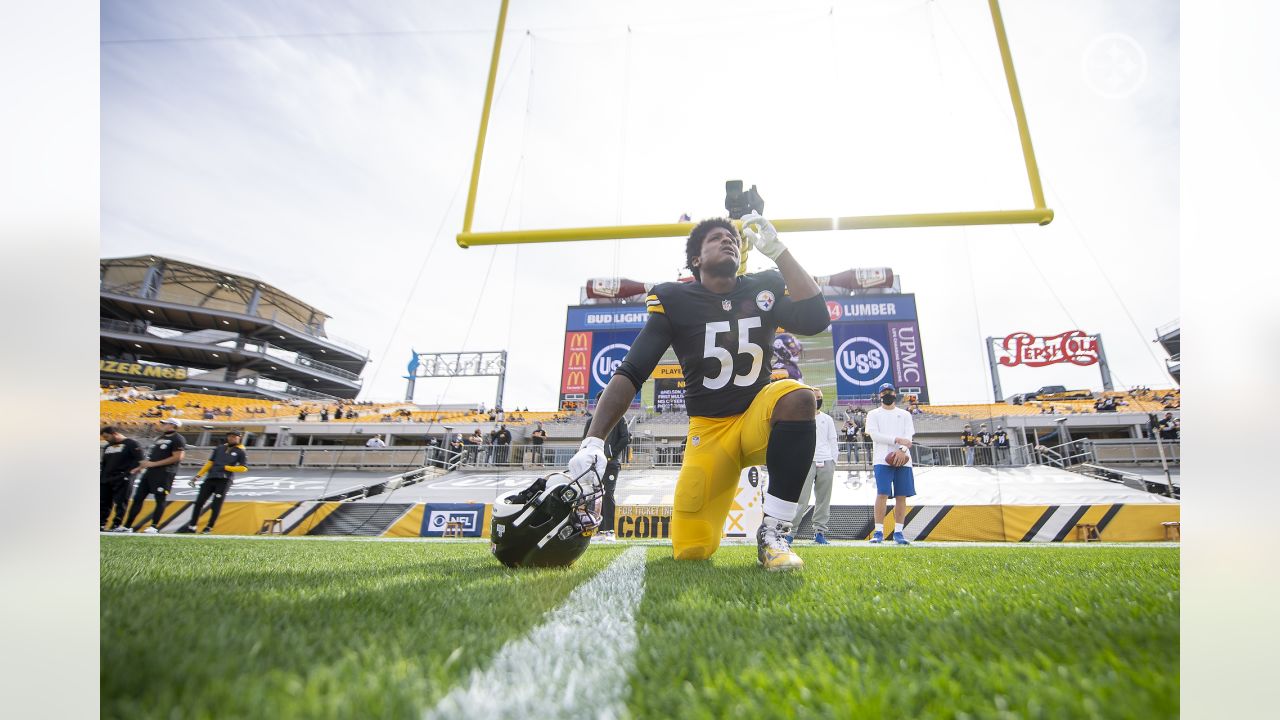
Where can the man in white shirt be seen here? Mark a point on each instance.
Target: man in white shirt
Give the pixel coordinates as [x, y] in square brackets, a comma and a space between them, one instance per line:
[891, 429]
[821, 472]
[375, 442]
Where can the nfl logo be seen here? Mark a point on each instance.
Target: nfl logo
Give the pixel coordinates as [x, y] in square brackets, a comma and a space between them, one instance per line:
[727, 305]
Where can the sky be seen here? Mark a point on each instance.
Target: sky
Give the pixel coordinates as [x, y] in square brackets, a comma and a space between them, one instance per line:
[326, 146]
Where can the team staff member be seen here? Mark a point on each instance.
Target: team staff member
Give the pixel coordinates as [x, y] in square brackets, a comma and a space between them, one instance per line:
[217, 473]
[721, 326]
[119, 458]
[891, 429]
[538, 438]
[158, 471]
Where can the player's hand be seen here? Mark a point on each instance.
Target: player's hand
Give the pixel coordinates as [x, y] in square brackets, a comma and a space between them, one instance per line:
[193, 481]
[590, 455]
[763, 236]
[903, 442]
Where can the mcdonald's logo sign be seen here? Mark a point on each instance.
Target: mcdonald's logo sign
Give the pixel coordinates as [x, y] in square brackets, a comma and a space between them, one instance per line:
[577, 352]
[574, 382]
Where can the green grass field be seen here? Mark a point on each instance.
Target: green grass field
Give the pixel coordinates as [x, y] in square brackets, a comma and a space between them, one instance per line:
[317, 629]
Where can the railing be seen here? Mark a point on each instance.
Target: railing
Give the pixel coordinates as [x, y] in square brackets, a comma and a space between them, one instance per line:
[262, 349]
[1064, 455]
[659, 455]
[1135, 452]
[556, 455]
[323, 457]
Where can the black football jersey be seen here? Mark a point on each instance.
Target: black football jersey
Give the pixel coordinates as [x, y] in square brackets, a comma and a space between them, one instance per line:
[723, 342]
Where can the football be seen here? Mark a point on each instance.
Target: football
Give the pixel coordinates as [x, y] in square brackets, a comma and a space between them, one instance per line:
[897, 458]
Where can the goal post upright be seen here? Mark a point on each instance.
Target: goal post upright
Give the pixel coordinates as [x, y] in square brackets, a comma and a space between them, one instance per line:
[1038, 215]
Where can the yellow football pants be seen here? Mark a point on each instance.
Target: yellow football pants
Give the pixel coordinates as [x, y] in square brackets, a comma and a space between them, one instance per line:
[715, 454]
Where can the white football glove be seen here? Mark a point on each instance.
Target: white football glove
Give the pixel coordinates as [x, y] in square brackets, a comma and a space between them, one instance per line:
[590, 455]
[763, 236]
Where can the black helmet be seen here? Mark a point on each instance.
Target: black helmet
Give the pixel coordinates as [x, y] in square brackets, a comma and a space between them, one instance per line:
[549, 523]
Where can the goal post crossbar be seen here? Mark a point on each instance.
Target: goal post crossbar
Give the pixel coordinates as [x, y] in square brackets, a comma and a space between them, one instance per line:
[1039, 214]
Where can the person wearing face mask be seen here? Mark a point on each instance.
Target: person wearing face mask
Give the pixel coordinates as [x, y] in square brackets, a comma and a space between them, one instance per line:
[891, 430]
[821, 473]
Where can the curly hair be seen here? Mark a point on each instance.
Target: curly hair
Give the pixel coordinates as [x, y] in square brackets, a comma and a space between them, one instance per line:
[693, 246]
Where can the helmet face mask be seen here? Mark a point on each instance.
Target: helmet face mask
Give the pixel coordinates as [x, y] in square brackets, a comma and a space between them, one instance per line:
[549, 523]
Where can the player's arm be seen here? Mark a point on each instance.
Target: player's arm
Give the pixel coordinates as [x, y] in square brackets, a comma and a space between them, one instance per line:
[636, 367]
[135, 457]
[911, 432]
[804, 312]
[241, 464]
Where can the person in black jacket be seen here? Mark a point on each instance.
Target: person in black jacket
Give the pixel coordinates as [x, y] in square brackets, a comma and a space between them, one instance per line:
[119, 458]
[615, 451]
[217, 472]
[158, 472]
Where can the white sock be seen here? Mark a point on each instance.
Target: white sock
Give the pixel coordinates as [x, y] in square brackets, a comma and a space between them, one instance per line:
[776, 507]
[880, 527]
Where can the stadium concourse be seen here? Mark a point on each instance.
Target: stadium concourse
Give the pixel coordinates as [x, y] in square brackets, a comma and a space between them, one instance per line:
[1084, 475]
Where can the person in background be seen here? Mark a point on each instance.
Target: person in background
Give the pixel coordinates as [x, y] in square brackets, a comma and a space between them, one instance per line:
[158, 472]
[502, 445]
[474, 442]
[1001, 441]
[120, 456]
[891, 429]
[375, 442]
[970, 441]
[217, 473]
[456, 449]
[819, 480]
[538, 437]
[984, 445]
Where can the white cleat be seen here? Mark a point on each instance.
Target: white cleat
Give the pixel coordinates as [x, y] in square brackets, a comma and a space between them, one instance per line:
[772, 551]
[150, 531]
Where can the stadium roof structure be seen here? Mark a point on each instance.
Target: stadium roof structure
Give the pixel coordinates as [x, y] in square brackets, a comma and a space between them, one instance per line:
[178, 322]
[205, 285]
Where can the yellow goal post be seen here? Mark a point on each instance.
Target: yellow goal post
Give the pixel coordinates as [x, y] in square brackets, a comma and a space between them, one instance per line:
[1038, 214]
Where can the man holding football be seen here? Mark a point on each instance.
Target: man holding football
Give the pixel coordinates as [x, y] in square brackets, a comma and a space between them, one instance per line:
[891, 429]
[721, 327]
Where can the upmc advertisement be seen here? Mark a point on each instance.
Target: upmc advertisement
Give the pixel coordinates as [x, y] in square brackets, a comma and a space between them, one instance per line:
[873, 339]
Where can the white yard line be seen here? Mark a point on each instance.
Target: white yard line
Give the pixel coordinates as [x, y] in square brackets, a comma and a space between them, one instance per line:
[576, 664]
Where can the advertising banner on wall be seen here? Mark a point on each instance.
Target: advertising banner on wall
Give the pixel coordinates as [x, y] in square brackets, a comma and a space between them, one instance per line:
[577, 361]
[668, 395]
[437, 516]
[607, 351]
